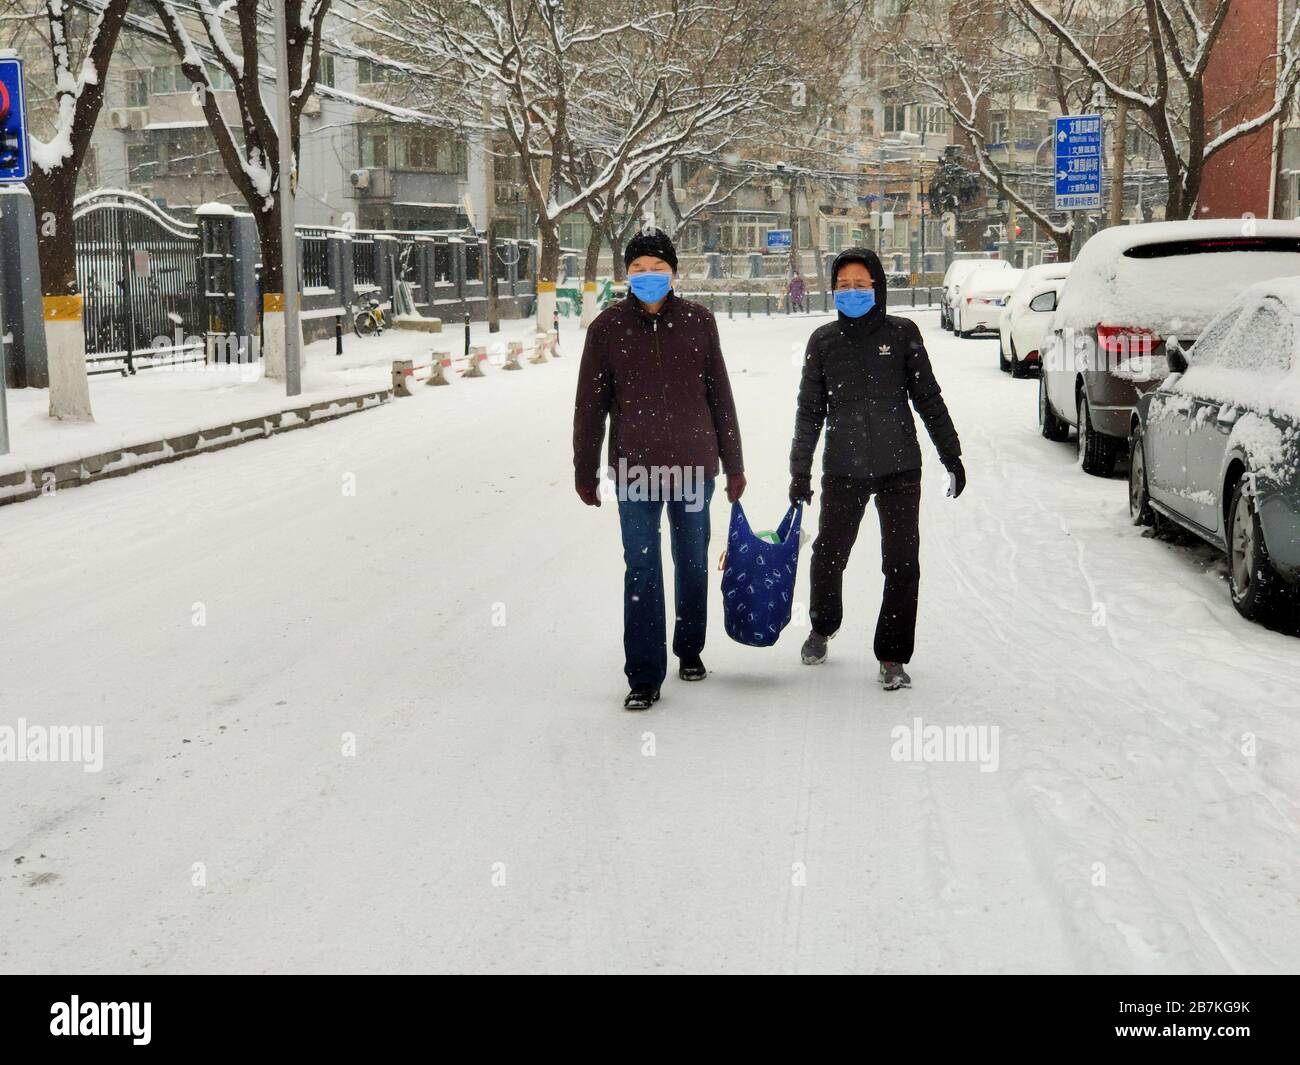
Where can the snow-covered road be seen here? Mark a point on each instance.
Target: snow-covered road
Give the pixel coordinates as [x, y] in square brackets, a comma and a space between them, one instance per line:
[236, 620]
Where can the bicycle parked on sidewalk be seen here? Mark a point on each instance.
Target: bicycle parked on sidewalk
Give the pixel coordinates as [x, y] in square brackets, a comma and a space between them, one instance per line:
[369, 319]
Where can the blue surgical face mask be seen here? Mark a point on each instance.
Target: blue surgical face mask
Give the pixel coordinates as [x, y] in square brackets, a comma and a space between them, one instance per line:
[650, 287]
[855, 302]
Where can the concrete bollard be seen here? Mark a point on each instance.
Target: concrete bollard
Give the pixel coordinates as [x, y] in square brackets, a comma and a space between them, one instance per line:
[441, 364]
[477, 359]
[513, 350]
[402, 375]
[540, 344]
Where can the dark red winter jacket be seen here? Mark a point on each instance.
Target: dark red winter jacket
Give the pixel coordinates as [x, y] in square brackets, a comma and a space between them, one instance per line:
[661, 381]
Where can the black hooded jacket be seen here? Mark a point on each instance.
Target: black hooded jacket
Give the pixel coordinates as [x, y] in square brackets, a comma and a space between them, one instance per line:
[858, 376]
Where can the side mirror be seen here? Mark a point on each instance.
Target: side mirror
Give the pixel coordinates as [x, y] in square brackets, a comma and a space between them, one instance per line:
[1175, 357]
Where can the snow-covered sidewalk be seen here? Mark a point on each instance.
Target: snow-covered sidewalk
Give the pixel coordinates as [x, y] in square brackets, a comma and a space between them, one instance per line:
[168, 402]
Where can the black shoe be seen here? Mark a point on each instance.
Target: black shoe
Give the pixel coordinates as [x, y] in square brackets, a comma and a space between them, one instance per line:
[641, 699]
[813, 651]
[692, 669]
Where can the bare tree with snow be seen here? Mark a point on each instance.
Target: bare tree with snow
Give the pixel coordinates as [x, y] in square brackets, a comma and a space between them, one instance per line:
[251, 150]
[1169, 91]
[561, 71]
[970, 58]
[79, 69]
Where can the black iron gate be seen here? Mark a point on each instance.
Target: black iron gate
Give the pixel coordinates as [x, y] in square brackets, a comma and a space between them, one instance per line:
[137, 268]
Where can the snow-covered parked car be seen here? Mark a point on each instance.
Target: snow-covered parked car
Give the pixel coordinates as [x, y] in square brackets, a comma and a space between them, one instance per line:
[983, 296]
[1216, 447]
[1027, 316]
[1133, 290]
[956, 274]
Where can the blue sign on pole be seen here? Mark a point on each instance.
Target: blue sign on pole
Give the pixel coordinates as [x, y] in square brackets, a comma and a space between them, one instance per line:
[778, 239]
[1078, 162]
[14, 159]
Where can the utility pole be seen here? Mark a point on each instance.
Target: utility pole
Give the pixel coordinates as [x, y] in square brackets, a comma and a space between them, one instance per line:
[1011, 165]
[288, 236]
[490, 211]
[880, 205]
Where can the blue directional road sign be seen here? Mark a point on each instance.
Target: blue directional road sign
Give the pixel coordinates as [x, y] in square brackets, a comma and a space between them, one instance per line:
[1078, 162]
[14, 160]
[778, 239]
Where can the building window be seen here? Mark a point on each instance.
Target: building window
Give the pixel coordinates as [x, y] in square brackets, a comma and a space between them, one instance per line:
[325, 71]
[142, 161]
[137, 88]
[370, 73]
[895, 116]
[374, 149]
[163, 80]
[930, 118]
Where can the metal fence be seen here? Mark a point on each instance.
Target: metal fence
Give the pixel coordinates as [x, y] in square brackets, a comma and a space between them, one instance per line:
[137, 269]
[314, 245]
[363, 261]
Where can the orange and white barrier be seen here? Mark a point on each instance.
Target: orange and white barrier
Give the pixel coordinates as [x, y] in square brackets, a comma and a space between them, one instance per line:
[539, 348]
[477, 360]
[440, 365]
[406, 373]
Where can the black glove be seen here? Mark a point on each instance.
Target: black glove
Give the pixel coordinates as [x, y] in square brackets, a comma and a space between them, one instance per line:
[801, 490]
[952, 464]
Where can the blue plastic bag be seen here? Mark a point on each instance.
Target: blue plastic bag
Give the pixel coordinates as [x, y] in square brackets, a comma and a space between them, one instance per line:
[758, 579]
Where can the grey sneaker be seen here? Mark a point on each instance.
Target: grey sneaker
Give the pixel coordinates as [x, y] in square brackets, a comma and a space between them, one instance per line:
[813, 652]
[893, 676]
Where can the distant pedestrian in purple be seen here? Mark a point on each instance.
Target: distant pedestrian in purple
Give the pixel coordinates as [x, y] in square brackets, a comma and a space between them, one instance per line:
[797, 291]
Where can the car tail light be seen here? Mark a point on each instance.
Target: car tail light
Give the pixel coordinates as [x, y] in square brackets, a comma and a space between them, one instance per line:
[1032, 357]
[1126, 340]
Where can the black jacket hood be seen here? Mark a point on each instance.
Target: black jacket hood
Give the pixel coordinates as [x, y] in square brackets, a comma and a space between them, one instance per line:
[871, 261]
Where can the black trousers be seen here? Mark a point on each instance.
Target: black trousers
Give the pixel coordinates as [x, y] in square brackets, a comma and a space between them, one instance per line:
[898, 502]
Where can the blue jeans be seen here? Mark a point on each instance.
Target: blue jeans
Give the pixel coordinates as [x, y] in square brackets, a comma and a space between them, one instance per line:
[644, 639]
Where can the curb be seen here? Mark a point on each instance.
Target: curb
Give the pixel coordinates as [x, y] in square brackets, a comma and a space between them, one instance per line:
[34, 481]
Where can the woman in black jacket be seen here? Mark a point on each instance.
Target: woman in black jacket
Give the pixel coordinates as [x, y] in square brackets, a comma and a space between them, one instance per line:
[859, 373]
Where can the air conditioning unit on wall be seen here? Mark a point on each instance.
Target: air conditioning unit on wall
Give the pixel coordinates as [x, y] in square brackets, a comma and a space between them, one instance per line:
[311, 106]
[125, 118]
[371, 182]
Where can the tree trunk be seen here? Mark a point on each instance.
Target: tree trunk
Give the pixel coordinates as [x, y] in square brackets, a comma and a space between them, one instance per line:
[1064, 245]
[52, 194]
[589, 280]
[616, 251]
[1117, 163]
[272, 286]
[548, 271]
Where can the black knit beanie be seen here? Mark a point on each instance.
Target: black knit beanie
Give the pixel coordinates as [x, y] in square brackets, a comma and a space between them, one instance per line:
[657, 244]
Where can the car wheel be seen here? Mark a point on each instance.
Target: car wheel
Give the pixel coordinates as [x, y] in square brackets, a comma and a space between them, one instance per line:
[1053, 428]
[1139, 501]
[1257, 588]
[1096, 451]
[1017, 367]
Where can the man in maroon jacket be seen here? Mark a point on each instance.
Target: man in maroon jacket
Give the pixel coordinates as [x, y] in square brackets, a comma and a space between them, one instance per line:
[653, 366]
